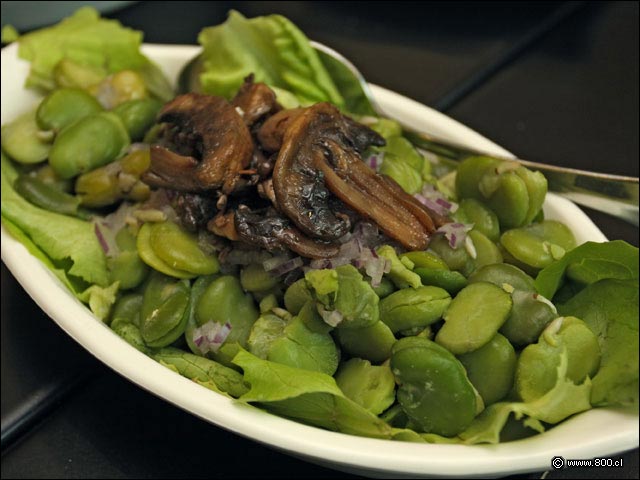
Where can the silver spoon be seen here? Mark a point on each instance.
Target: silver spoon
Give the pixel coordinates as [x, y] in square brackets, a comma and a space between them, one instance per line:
[615, 195]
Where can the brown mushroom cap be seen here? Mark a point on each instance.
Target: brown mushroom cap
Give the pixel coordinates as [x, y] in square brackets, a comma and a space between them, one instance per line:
[212, 141]
[320, 152]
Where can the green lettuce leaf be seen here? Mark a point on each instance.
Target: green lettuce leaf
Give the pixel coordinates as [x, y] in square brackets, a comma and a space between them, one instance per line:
[562, 401]
[270, 47]
[69, 243]
[610, 309]
[589, 263]
[310, 397]
[85, 39]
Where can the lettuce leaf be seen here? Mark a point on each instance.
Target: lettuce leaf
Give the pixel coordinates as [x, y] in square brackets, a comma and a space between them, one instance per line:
[589, 263]
[83, 38]
[562, 401]
[610, 309]
[311, 397]
[270, 47]
[69, 243]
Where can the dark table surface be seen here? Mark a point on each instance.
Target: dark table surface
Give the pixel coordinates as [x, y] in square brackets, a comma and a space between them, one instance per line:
[555, 82]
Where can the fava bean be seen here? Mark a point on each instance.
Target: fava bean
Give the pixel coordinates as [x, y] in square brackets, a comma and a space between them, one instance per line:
[505, 276]
[457, 259]
[223, 302]
[537, 369]
[125, 321]
[116, 181]
[449, 280]
[539, 244]
[151, 258]
[409, 307]
[296, 296]
[198, 288]
[385, 288]
[254, 278]
[425, 260]
[164, 312]
[127, 267]
[433, 388]
[119, 88]
[89, 143]
[64, 106]
[48, 197]
[491, 368]
[371, 343]
[483, 219]
[21, 142]
[138, 116]
[486, 252]
[474, 317]
[180, 250]
[400, 274]
[372, 387]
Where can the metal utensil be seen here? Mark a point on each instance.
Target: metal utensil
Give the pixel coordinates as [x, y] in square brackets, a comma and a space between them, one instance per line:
[616, 195]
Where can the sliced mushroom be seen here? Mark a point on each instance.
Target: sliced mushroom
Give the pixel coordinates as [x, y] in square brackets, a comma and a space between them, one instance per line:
[254, 101]
[272, 231]
[320, 152]
[212, 141]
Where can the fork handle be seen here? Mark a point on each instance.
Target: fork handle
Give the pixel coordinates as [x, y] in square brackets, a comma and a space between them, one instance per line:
[616, 195]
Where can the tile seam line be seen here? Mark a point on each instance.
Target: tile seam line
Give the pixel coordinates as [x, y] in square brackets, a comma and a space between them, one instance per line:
[530, 38]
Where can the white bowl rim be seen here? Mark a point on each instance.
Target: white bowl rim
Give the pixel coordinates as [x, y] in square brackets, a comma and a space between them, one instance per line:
[612, 430]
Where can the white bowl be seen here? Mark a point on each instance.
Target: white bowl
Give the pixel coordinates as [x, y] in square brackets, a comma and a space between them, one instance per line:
[596, 433]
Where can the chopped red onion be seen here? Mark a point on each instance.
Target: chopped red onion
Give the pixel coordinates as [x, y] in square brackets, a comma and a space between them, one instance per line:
[456, 233]
[375, 160]
[435, 200]
[101, 239]
[210, 336]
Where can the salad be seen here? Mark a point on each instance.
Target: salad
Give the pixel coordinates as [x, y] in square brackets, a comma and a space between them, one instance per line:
[268, 238]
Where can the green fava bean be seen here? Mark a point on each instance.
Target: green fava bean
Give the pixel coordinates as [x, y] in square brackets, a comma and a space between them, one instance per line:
[64, 106]
[296, 296]
[486, 252]
[537, 369]
[138, 116]
[345, 299]
[125, 321]
[457, 259]
[504, 276]
[264, 331]
[180, 250]
[198, 288]
[433, 390]
[449, 280]
[254, 278]
[483, 218]
[491, 369]
[48, 196]
[89, 143]
[402, 172]
[127, 267]
[148, 255]
[529, 317]
[21, 142]
[223, 302]
[403, 149]
[425, 260]
[372, 387]
[384, 288]
[164, 312]
[371, 343]
[539, 244]
[530, 313]
[400, 274]
[474, 317]
[68, 73]
[409, 307]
